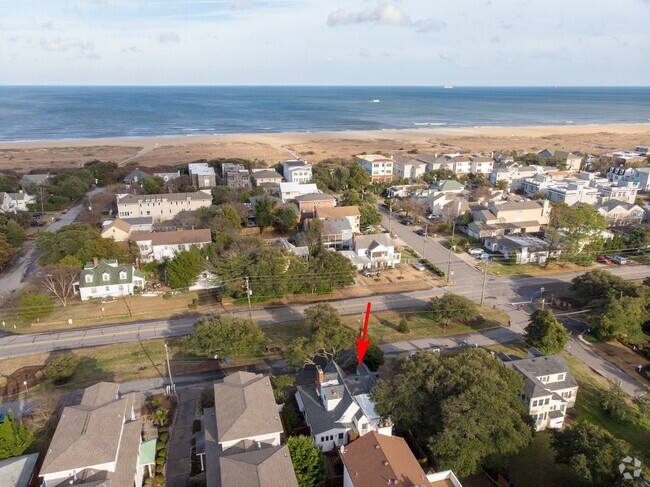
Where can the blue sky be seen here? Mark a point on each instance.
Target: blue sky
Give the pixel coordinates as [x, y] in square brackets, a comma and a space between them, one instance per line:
[326, 42]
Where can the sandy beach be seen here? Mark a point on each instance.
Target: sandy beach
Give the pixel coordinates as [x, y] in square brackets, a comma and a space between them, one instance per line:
[316, 146]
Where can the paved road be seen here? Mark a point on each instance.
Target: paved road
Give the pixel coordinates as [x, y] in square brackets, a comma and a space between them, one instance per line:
[25, 263]
[178, 459]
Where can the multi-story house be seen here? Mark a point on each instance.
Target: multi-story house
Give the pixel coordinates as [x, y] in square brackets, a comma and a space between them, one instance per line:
[29, 181]
[266, 176]
[202, 175]
[571, 160]
[120, 229]
[481, 164]
[507, 218]
[373, 252]
[538, 184]
[625, 191]
[136, 176]
[97, 442]
[13, 202]
[243, 434]
[161, 207]
[618, 213]
[159, 246]
[296, 171]
[379, 168]
[549, 387]
[339, 225]
[290, 191]
[235, 176]
[308, 204]
[167, 176]
[640, 176]
[514, 174]
[338, 408]
[573, 191]
[106, 278]
[408, 168]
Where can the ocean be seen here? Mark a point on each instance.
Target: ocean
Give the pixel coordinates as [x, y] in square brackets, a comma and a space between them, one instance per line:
[36, 113]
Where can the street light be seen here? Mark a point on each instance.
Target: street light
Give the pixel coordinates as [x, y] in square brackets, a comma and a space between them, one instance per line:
[169, 369]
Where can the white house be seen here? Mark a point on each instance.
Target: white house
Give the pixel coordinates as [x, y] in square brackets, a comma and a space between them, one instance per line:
[165, 245]
[96, 442]
[338, 408]
[340, 223]
[290, 190]
[296, 171]
[13, 202]
[105, 278]
[373, 252]
[243, 435]
[167, 176]
[549, 386]
[522, 249]
[379, 168]
[481, 164]
[408, 168]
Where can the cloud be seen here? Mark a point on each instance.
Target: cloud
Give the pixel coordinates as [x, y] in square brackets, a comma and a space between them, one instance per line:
[47, 25]
[167, 37]
[131, 50]
[383, 14]
[59, 44]
[241, 4]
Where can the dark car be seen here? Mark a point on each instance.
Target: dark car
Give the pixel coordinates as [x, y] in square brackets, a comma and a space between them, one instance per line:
[406, 221]
[421, 232]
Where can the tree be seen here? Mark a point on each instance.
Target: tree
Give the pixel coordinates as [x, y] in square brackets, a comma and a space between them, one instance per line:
[72, 188]
[230, 213]
[308, 461]
[328, 269]
[359, 178]
[413, 208]
[502, 184]
[9, 183]
[452, 307]
[224, 194]
[620, 317]
[103, 248]
[61, 366]
[312, 234]
[7, 251]
[224, 335]
[34, 306]
[369, 215]
[14, 233]
[590, 451]
[153, 185]
[184, 268]
[159, 416]
[439, 175]
[264, 213]
[573, 229]
[462, 408]
[597, 285]
[60, 278]
[545, 333]
[327, 337]
[403, 326]
[285, 218]
[14, 438]
[351, 197]
[68, 241]
[374, 357]
[613, 401]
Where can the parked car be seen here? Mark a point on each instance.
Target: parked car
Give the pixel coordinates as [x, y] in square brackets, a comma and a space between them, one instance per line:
[406, 221]
[475, 251]
[419, 266]
[618, 259]
[371, 273]
[485, 256]
[421, 232]
[603, 259]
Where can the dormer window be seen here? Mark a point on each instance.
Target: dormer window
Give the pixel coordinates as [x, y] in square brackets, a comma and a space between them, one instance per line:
[89, 278]
[105, 276]
[122, 275]
[561, 376]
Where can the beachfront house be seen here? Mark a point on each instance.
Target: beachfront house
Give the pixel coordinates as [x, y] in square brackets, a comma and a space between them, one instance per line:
[161, 207]
[235, 176]
[136, 176]
[106, 278]
[338, 408]
[202, 175]
[549, 386]
[29, 182]
[410, 169]
[296, 171]
[96, 442]
[290, 191]
[379, 168]
[243, 434]
[569, 159]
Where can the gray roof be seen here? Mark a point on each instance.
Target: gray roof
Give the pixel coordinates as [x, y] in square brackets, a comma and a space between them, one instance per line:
[99, 394]
[366, 241]
[139, 220]
[533, 244]
[295, 163]
[17, 196]
[136, 175]
[17, 471]
[447, 185]
[611, 204]
[531, 368]
[34, 178]
[245, 407]
[283, 243]
[264, 467]
[135, 198]
[112, 268]
[89, 434]
[315, 197]
[266, 174]
[520, 205]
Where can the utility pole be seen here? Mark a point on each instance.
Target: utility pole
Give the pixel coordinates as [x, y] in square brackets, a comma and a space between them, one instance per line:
[453, 232]
[484, 280]
[424, 239]
[42, 207]
[169, 369]
[248, 296]
[390, 217]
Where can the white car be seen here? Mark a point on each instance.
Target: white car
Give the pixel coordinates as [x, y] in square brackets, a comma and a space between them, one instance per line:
[475, 251]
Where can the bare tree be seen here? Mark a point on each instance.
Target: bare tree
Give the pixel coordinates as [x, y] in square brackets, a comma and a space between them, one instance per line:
[60, 279]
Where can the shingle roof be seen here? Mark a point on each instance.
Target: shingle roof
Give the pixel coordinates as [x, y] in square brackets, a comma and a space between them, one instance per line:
[314, 197]
[448, 185]
[266, 174]
[245, 407]
[365, 241]
[338, 212]
[264, 467]
[139, 220]
[202, 235]
[135, 198]
[376, 459]
[17, 471]
[100, 394]
[119, 224]
[532, 368]
[112, 269]
[295, 163]
[136, 175]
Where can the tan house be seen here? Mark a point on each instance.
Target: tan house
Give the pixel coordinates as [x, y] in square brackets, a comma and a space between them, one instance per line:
[266, 176]
[308, 204]
[410, 169]
[118, 230]
[379, 168]
[508, 218]
[162, 207]
[572, 161]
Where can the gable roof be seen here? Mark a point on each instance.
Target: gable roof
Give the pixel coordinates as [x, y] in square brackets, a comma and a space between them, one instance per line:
[314, 197]
[532, 368]
[447, 185]
[366, 241]
[264, 467]
[136, 175]
[338, 212]
[266, 174]
[89, 434]
[196, 236]
[112, 268]
[376, 459]
[245, 407]
[119, 225]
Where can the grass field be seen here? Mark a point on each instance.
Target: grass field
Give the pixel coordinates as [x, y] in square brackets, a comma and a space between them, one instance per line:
[529, 270]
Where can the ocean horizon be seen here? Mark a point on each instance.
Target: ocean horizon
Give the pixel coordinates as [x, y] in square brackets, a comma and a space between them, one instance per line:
[95, 112]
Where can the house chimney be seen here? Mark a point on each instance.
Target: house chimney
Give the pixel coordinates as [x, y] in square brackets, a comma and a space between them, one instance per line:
[319, 378]
[95, 261]
[137, 263]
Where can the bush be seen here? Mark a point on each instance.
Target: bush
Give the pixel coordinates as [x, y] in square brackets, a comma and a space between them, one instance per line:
[614, 402]
[160, 479]
[160, 461]
[162, 430]
[196, 426]
[61, 366]
[34, 306]
[403, 326]
[290, 418]
[162, 453]
[167, 295]
[194, 304]
[164, 437]
[433, 268]
[160, 469]
[148, 482]
[207, 399]
[160, 446]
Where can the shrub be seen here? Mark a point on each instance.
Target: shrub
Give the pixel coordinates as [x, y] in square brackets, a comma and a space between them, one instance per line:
[164, 437]
[61, 366]
[403, 326]
[160, 446]
[160, 479]
[290, 418]
[167, 295]
[162, 430]
[162, 453]
[148, 482]
[196, 426]
[194, 304]
[160, 468]
[34, 306]
[160, 461]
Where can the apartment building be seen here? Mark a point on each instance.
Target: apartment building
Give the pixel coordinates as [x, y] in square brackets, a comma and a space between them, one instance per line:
[408, 168]
[161, 207]
[379, 168]
[296, 171]
[202, 175]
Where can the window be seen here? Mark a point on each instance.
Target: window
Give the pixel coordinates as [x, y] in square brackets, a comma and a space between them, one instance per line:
[108, 288]
[566, 394]
[534, 404]
[93, 290]
[105, 276]
[89, 278]
[340, 436]
[544, 379]
[561, 376]
[547, 401]
[322, 439]
[122, 275]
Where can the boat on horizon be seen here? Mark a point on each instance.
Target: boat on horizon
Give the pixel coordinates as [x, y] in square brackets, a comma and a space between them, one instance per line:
[448, 87]
[376, 100]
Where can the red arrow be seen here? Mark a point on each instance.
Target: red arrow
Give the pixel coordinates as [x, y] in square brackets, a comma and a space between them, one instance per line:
[363, 342]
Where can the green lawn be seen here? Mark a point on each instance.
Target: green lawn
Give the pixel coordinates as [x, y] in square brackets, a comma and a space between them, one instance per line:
[505, 269]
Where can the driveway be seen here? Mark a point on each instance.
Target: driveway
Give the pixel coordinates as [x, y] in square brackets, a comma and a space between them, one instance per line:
[178, 449]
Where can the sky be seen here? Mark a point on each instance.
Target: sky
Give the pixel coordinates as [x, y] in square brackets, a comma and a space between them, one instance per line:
[325, 42]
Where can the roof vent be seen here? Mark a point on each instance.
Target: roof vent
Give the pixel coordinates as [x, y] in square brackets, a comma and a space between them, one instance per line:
[385, 462]
[376, 447]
